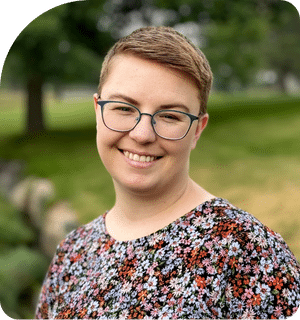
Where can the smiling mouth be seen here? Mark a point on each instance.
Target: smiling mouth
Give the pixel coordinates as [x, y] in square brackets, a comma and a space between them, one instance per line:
[139, 158]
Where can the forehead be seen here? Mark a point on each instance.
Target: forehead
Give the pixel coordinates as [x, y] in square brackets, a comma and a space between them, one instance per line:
[148, 80]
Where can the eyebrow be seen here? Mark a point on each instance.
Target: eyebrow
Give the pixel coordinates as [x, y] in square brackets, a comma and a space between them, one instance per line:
[137, 104]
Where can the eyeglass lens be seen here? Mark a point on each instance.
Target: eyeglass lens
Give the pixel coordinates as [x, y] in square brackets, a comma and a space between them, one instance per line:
[168, 124]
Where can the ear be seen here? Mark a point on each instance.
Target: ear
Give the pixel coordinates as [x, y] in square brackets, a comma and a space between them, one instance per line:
[96, 97]
[96, 107]
[202, 123]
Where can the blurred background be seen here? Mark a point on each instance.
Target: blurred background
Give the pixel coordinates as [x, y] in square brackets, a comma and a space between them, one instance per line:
[51, 178]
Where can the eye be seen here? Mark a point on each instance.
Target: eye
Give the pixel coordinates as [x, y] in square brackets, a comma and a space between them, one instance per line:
[125, 109]
[170, 116]
[120, 108]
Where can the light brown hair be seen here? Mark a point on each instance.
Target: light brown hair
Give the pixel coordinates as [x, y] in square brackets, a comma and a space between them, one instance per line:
[169, 48]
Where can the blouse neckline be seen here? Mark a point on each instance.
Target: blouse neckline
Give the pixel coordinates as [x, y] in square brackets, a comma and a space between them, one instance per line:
[160, 231]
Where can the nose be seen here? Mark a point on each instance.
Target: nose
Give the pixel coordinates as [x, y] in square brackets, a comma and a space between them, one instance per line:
[143, 131]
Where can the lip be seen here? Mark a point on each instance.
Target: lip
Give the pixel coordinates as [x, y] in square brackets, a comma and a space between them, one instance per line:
[140, 164]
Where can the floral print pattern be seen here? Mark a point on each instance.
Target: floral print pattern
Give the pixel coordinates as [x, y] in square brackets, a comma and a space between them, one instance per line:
[215, 262]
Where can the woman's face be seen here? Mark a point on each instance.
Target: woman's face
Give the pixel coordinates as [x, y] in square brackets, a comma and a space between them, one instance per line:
[149, 87]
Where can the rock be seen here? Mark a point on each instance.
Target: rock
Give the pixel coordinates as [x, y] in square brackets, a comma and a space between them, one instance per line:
[30, 196]
[10, 174]
[59, 220]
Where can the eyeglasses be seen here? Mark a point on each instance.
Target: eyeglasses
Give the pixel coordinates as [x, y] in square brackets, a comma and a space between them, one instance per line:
[124, 117]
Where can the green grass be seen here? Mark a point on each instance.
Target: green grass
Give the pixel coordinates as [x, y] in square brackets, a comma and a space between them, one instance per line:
[249, 154]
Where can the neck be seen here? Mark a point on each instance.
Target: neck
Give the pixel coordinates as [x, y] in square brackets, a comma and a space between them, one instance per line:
[135, 209]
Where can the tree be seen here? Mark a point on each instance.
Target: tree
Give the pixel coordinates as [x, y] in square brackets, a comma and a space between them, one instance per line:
[283, 44]
[62, 45]
[239, 37]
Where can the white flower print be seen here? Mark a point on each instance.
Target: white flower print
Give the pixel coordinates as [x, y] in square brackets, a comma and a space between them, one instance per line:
[178, 290]
[127, 286]
[234, 249]
[151, 284]
[174, 282]
[248, 314]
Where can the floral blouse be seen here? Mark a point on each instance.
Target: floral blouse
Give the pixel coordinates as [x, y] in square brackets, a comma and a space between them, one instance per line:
[217, 261]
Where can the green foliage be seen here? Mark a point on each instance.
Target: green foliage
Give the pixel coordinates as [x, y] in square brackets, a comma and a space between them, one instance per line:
[20, 268]
[234, 51]
[282, 47]
[13, 229]
[62, 45]
[243, 36]
[36, 46]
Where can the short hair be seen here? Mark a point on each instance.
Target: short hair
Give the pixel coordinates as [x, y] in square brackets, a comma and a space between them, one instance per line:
[169, 48]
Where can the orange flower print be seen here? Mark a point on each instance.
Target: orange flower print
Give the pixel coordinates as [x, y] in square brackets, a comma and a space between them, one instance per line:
[201, 283]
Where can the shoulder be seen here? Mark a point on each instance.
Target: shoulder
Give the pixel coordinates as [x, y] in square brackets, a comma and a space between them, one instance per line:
[81, 239]
[70, 253]
[73, 249]
[251, 246]
[259, 268]
[235, 221]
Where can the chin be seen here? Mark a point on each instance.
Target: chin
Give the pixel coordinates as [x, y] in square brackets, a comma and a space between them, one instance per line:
[138, 186]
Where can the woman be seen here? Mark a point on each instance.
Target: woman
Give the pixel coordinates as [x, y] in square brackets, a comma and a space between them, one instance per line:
[168, 248]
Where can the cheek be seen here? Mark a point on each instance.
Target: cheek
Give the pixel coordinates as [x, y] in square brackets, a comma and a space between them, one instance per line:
[102, 145]
[184, 156]
[105, 152]
[107, 141]
[185, 152]
[180, 151]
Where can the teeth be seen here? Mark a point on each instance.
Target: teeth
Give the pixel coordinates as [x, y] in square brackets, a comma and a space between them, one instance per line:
[136, 157]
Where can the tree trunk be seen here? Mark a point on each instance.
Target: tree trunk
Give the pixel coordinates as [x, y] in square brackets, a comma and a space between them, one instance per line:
[283, 73]
[281, 82]
[35, 115]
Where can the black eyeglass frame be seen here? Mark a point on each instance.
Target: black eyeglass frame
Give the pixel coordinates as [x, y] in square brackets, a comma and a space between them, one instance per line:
[192, 117]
